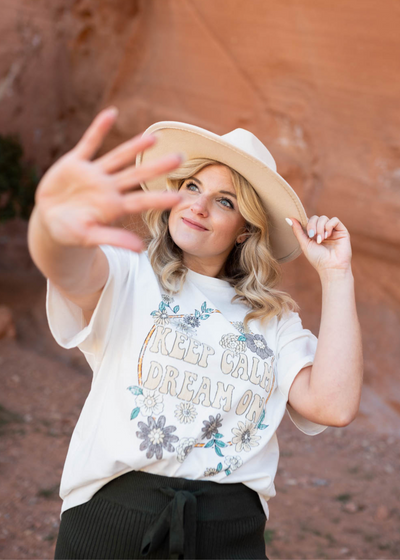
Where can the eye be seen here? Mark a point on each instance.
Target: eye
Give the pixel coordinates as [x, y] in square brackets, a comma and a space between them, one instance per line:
[189, 185]
[226, 202]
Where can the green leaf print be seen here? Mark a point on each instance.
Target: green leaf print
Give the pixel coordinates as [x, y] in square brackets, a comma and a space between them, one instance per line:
[218, 435]
[135, 412]
[217, 450]
[204, 307]
[261, 419]
[209, 444]
[220, 443]
[219, 467]
[176, 309]
[204, 317]
[260, 425]
[196, 313]
[161, 307]
[135, 390]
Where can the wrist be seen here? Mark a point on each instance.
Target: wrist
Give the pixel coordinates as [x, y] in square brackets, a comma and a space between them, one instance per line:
[336, 275]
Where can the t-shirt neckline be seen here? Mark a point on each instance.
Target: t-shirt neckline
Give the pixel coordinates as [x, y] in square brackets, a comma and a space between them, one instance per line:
[202, 280]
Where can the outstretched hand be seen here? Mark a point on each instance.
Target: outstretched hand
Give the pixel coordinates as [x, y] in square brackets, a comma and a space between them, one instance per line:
[325, 243]
[78, 199]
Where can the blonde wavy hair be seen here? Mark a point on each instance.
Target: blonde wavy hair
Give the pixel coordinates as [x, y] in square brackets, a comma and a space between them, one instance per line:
[250, 267]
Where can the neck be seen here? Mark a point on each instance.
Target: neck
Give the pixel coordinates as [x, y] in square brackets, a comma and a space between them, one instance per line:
[211, 266]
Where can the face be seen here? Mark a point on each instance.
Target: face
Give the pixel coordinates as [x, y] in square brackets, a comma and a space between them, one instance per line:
[207, 222]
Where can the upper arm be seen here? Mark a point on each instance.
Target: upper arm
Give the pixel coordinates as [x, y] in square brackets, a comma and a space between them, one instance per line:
[305, 403]
[92, 287]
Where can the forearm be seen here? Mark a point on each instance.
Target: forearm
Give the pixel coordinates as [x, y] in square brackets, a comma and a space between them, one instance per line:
[337, 371]
[66, 266]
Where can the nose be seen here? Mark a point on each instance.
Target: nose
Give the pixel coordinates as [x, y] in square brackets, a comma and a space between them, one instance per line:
[200, 206]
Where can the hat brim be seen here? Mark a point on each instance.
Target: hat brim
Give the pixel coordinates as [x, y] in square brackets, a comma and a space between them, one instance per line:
[279, 199]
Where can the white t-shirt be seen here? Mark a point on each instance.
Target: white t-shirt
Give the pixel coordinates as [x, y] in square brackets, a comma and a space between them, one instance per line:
[179, 387]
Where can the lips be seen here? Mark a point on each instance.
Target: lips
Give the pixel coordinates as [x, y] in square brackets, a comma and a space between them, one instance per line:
[194, 225]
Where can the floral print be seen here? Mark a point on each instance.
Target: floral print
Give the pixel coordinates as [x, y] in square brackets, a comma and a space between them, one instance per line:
[185, 413]
[211, 472]
[181, 326]
[184, 448]
[161, 318]
[187, 323]
[156, 437]
[211, 426]
[150, 403]
[233, 342]
[257, 343]
[245, 436]
[233, 463]
[254, 342]
[167, 299]
[239, 325]
[192, 321]
[216, 443]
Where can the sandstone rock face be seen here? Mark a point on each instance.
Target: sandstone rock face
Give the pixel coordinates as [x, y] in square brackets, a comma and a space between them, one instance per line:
[57, 65]
[317, 82]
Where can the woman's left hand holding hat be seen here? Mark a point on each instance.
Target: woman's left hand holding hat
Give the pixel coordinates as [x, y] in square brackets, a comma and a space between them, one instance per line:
[325, 243]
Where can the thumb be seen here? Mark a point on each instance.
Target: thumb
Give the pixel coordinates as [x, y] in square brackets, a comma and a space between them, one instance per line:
[299, 233]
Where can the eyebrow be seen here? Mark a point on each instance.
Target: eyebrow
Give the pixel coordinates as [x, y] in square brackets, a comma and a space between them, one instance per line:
[200, 183]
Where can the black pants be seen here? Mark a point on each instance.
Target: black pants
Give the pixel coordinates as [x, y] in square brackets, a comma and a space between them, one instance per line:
[142, 515]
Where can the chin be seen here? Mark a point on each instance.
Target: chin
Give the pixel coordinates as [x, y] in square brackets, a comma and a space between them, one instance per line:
[191, 248]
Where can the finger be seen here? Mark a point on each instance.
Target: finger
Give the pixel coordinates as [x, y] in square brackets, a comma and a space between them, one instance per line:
[312, 226]
[301, 236]
[118, 237]
[135, 175]
[95, 134]
[134, 203]
[321, 222]
[333, 224]
[125, 154]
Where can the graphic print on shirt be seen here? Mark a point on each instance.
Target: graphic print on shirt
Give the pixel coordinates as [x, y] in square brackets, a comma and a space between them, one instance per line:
[172, 335]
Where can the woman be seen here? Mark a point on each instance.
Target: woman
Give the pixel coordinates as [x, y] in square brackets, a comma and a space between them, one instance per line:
[195, 354]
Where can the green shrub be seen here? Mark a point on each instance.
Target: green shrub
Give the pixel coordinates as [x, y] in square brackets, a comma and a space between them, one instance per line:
[18, 181]
[269, 536]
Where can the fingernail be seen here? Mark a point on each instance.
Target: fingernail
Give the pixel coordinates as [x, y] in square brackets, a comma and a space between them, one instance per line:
[289, 221]
[326, 234]
[311, 233]
[319, 239]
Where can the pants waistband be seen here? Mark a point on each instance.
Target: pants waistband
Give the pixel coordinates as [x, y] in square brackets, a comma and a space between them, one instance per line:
[215, 501]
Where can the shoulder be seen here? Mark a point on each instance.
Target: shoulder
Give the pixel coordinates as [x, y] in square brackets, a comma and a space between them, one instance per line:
[126, 257]
[291, 325]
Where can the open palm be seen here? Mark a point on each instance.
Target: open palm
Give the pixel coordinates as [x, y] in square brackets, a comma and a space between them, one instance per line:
[79, 199]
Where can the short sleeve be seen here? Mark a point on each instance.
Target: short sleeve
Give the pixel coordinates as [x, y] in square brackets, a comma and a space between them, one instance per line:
[295, 350]
[66, 321]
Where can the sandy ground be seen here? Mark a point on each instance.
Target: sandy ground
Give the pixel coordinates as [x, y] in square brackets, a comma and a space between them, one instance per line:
[337, 493]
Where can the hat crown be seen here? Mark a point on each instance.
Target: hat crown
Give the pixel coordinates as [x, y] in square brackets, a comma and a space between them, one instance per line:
[249, 143]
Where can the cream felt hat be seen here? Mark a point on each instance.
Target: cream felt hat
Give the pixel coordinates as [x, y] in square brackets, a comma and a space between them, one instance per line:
[245, 153]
